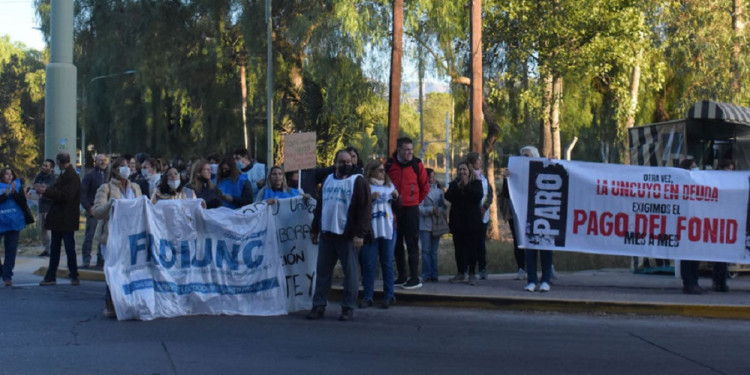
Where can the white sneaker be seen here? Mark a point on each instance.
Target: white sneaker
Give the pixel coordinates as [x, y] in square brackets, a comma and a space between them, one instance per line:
[531, 287]
[553, 275]
[544, 287]
[521, 274]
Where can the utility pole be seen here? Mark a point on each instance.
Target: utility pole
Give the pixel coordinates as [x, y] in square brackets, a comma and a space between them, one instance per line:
[476, 76]
[269, 87]
[394, 102]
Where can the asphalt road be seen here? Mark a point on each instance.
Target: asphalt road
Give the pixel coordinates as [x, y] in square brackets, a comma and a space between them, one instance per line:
[60, 330]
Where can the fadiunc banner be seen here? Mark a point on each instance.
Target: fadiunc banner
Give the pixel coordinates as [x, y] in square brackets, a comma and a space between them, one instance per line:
[657, 212]
[175, 258]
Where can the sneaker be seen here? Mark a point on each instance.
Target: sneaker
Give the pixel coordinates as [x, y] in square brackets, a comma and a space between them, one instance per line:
[347, 314]
[530, 288]
[459, 278]
[521, 274]
[316, 313]
[483, 274]
[400, 281]
[75, 282]
[553, 274]
[472, 280]
[47, 282]
[365, 303]
[544, 287]
[413, 283]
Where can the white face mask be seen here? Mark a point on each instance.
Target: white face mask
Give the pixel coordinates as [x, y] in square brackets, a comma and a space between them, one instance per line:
[695, 169]
[214, 168]
[144, 172]
[124, 171]
[174, 184]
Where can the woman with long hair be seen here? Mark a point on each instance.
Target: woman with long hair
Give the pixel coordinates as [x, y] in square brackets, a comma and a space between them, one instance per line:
[117, 187]
[14, 215]
[465, 194]
[236, 189]
[171, 186]
[201, 187]
[276, 187]
[431, 210]
[383, 241]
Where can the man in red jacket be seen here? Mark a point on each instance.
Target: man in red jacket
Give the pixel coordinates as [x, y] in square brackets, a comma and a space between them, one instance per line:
[410, 179]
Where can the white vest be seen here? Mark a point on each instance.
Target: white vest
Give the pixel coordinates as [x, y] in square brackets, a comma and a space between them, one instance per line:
[485, 191]
[337, 197]
[382, 212]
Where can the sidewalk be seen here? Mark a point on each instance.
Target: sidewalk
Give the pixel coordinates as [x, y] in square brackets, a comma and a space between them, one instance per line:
[604, 291]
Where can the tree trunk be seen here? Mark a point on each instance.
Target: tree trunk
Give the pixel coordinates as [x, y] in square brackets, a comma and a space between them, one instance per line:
[395, 82]
[557, 89]
[476, 76]
[545, 133]
[738, 26]
[493, 133]
[635, 82]
[527, 121]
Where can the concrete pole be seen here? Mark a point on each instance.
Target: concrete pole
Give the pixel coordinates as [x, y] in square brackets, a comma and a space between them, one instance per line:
[60, 91]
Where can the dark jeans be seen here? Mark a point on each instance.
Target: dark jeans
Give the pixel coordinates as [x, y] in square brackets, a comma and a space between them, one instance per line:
[482, 249]
[546, 260]
[11, 248]
[332, 248]
[407, 230]
[519, 254]
[720, 273]
[54, 256]
[689, 270]
[88, 240]
[466, 247]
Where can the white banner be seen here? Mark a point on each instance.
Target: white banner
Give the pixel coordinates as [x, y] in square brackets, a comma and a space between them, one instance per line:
[298, 255]
[177, 259]
[656, 212]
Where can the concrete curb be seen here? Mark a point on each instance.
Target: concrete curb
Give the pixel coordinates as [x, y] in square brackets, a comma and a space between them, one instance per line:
[563, 306]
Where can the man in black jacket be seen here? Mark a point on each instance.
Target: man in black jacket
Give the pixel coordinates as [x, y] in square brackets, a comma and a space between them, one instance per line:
[63, 219]
[44, 179]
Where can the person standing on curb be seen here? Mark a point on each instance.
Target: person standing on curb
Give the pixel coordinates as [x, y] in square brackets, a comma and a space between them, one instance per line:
[91, 182]
[14, 215]
[465, 221]
[690, 269]
[45, 178]
[432, 226]
[410, 179]
[475, 163]
[720, 272]
[341, 222]
[63, 219]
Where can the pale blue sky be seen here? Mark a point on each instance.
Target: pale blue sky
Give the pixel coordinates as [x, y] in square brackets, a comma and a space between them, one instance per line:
[17, 20]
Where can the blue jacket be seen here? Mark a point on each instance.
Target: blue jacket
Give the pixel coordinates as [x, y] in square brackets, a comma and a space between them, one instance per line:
[241, 191]
[11, 214]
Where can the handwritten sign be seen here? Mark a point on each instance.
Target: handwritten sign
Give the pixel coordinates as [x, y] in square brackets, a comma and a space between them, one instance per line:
[299, 151]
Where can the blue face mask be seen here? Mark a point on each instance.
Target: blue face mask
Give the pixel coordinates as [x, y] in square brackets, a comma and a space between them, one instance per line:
[239, 164]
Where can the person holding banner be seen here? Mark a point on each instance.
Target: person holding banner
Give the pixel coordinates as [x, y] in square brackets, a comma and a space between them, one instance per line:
[118, 187]
[276, 187]
[236, 189]
[201, 187]
[341, 222]
[171, 186]
[465, 221]
[383, 240]
[690, 269]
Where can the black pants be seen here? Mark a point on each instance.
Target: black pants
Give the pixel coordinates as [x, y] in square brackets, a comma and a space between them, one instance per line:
[482, 249]
[466, 250]
[519, 254]
[720, 273]
[55, 248]
[689, 270]
[408, 231]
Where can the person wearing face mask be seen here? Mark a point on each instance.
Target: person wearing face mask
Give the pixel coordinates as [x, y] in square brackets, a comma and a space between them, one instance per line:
[475, 163]
[170, 187]
[341, 222]
[136, 176]
[432, 212]
[151, 171]
[14, 215]
[236, 190]
[45, 178]
[118, 187]
[213, 162]
[201, 187]
[465, 220]
[256, 172]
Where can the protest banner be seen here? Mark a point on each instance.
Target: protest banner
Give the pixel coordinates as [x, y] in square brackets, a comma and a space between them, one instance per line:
[655, 212]
[177, 259]
[298, 255]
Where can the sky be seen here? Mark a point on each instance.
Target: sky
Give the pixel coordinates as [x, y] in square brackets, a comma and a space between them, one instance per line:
[18, 20]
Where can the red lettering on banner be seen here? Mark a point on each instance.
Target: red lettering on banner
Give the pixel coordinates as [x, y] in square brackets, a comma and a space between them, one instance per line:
[707, 230]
